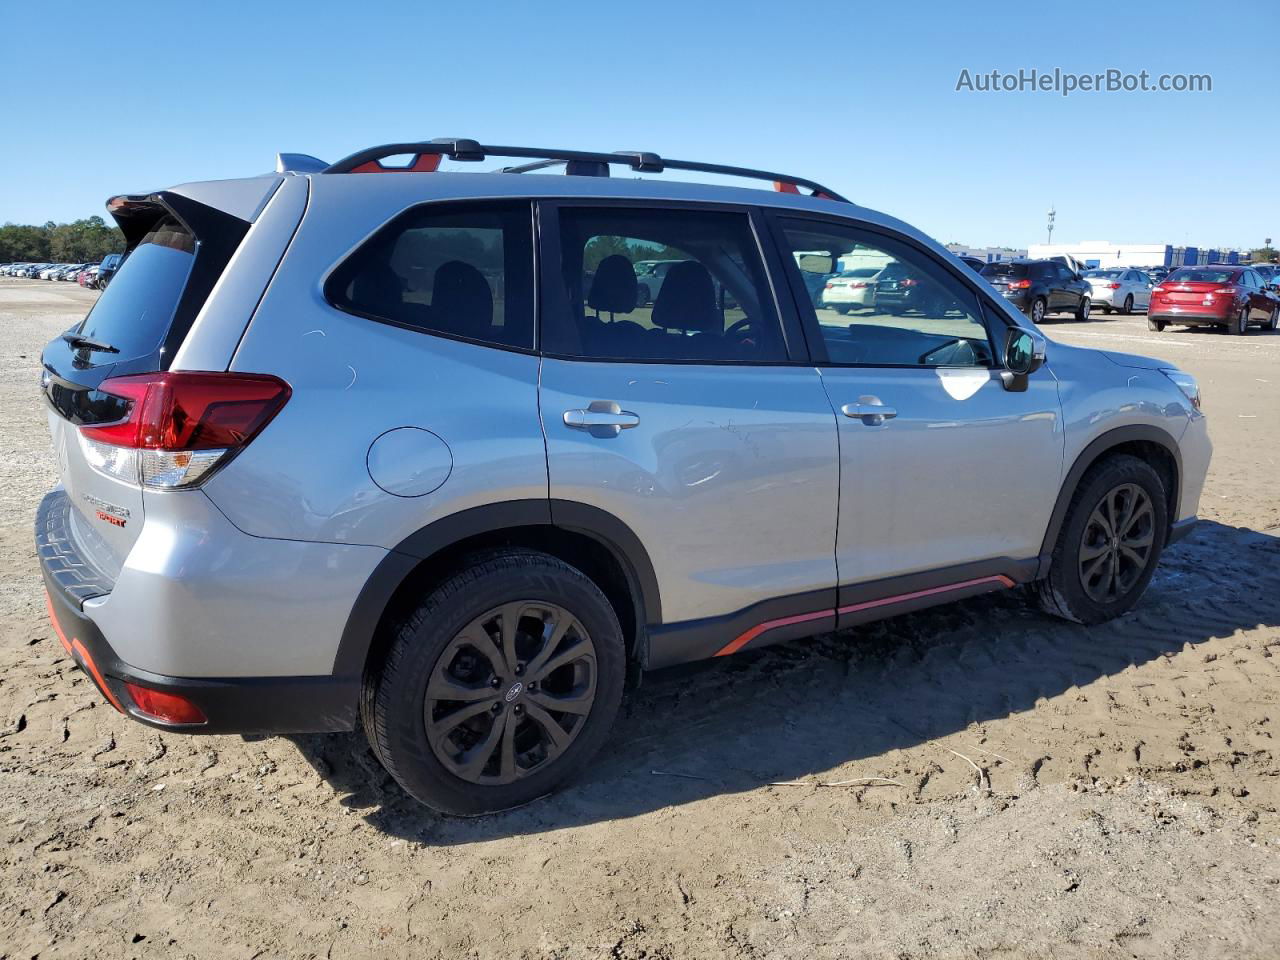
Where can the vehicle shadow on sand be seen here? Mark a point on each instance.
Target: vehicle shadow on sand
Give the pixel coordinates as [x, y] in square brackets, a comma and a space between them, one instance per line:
[801, 709]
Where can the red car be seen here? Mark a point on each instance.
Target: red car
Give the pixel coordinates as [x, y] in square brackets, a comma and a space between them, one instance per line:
[87, 276]
[1221, 295]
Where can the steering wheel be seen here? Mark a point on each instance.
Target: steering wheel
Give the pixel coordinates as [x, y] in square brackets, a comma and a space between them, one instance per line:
[737, 329]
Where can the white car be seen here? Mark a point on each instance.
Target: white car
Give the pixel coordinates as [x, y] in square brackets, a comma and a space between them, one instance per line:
[850, 289]
[1119, 288]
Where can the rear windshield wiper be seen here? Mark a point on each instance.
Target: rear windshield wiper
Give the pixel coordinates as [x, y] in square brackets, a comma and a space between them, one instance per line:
[88, 343]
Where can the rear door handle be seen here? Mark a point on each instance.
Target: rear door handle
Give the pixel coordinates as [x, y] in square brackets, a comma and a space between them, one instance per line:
[869, 410]
[603, 418]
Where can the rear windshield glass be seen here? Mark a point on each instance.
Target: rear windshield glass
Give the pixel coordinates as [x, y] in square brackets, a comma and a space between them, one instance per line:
[1200, 275]
[134, 312]
[1004, 270]
[1109, 274]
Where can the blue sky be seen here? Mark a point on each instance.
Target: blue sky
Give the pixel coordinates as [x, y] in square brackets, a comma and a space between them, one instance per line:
[135, 96]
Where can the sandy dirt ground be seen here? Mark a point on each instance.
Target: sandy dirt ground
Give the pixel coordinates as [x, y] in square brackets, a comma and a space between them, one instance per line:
[1050, 791]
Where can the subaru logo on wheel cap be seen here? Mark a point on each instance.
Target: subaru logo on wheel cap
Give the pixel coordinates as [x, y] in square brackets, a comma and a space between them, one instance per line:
[515, 691]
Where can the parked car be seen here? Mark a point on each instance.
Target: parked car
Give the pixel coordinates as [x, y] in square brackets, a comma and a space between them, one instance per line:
[1269, 274]
[1040, 287]
[850, 289]
[107, 269]
[1119, 288]
[649, 277]
[1222, 295]
[973, 263]
[88, 276]
[361, 489]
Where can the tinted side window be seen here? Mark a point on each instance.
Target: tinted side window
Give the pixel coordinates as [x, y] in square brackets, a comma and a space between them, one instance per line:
[462, 271]
[917, 313]
[668, 284]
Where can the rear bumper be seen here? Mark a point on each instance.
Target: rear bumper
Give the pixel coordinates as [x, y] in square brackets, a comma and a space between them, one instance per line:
[1180, 315]
[231, 704]
[259, 705]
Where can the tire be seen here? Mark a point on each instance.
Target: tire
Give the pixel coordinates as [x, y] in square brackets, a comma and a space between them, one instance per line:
[1274, 323]
[1039, 308]
[642, 295]
[1082, 311]
[1128, 305]
[396, 706]
[1106, 309]
[1239, 324]
[1156, 325]
[841, 309]
[1074, 589]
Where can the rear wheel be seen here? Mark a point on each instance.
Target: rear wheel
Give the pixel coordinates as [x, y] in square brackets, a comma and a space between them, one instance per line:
[841, 309]
[500, 686]
[1239, 325]
[1156, 325]
[1128, 305]
[1109, 544]
[1082, 311]
[1106, 308]
[1274, 322]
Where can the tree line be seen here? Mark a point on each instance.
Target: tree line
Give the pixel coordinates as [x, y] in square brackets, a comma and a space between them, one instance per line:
[82, 241]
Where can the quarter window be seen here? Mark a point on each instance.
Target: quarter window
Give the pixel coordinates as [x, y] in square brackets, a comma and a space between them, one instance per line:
[914, 313]
[464, 272]
[674, 285]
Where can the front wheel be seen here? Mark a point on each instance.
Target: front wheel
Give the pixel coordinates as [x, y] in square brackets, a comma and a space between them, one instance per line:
[499, 687]
[1109, 544]
[1082, 311]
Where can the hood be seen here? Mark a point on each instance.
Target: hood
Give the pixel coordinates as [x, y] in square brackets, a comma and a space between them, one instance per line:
[1137, 361]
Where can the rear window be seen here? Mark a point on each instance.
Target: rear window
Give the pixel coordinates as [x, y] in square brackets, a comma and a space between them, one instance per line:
[1200, 275]
[135, 311]
[1004, 270]
[1107, 274]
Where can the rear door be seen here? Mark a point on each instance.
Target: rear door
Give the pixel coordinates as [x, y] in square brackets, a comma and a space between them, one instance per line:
[695, 421]
[947, 478]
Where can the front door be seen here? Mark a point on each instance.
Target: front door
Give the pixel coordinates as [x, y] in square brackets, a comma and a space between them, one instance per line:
[947, 478]
[693, 420]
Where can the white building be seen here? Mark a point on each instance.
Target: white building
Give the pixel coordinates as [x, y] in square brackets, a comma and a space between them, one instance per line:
[1101, 253]
[986, 254]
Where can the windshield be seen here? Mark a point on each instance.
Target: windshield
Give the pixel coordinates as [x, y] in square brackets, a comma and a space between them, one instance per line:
[1200, 275]
[134, 312]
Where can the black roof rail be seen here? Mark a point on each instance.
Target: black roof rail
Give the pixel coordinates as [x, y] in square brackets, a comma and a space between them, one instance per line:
[426, 158]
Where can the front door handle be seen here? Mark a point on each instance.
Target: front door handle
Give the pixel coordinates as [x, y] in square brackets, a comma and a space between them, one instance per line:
[603, 418]
[870, 410]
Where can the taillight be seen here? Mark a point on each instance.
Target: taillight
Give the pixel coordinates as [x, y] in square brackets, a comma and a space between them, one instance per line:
[1113, 286]
[1157, 289]
[165, 707]
[909, 282]
[831, 286]
[858, 285]
[1020, 285]
[1229, 291]
[180, 426]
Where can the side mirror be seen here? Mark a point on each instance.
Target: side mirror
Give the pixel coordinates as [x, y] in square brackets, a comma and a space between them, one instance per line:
[1024, 354]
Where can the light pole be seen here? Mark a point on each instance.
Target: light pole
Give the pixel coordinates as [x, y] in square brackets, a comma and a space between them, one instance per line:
[1052, 214]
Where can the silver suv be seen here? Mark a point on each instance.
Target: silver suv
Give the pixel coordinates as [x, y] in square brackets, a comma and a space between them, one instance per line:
[389, 445]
